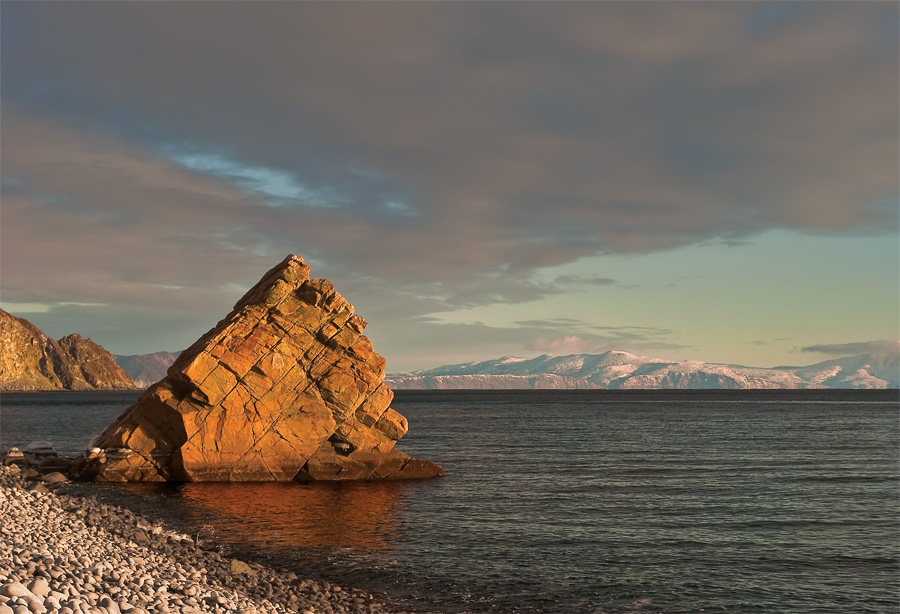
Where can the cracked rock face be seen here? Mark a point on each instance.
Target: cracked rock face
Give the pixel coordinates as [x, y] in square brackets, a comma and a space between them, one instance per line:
[286, 387]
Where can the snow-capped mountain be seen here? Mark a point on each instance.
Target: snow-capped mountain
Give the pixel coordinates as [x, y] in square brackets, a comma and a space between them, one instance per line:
[623, 370]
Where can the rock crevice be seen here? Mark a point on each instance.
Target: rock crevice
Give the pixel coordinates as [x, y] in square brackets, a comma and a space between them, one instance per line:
[286, 387]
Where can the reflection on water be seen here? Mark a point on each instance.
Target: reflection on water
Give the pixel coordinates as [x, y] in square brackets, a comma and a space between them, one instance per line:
[359, 515]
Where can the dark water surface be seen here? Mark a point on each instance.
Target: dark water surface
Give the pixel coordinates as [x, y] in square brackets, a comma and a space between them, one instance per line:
[573, 501]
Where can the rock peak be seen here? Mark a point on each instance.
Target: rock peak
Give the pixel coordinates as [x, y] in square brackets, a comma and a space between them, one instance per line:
[30, 360]
[285, 387]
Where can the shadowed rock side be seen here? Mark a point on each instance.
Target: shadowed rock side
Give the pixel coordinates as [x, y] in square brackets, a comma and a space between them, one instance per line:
[30, 360]
[286, 387]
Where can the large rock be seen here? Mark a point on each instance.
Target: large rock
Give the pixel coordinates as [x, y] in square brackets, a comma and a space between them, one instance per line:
[286, 387]
[30, 360]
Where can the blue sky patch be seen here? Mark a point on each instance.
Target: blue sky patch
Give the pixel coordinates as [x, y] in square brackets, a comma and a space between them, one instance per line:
[278, 187]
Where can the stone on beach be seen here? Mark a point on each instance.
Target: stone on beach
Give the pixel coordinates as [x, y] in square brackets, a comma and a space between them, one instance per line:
[39, 586]
[15, 589]
[14, 456]
[69, 554]
[286, 387]
[55, 477]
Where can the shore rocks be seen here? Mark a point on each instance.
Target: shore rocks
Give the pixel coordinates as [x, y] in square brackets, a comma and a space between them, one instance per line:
[71, 554]
[286, 387]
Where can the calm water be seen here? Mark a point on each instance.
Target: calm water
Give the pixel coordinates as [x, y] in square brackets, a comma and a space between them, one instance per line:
[574, 501]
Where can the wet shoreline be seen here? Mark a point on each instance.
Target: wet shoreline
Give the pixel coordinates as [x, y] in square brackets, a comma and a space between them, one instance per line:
[68, 552]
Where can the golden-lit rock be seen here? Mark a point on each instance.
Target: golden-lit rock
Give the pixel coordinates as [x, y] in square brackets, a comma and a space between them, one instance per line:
[30, 360]
[286, 387]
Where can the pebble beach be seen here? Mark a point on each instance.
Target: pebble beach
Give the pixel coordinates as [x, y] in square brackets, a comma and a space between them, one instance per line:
[73, 554]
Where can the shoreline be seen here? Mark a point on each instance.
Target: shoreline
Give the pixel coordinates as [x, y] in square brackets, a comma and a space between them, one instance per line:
[71, 553]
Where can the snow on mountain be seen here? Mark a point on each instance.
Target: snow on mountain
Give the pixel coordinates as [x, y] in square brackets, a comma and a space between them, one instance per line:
[623, 370]
[870, 370]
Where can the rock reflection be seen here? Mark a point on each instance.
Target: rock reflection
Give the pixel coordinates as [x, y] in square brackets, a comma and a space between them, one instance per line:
[360, 515]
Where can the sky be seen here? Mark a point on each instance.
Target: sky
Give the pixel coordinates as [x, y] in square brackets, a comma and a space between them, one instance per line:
[714, 181]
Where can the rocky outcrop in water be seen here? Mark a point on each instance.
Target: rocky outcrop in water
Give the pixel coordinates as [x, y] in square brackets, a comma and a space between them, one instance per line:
[286, 387]
[30, 360]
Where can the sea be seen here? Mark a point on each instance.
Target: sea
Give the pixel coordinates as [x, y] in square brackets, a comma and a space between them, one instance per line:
[570, 502]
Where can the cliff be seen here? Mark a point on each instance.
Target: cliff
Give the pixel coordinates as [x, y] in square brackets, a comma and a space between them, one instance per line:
[30, 360]
[285, 387]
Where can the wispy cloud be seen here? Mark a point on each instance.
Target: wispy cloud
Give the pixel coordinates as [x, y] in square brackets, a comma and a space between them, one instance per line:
[570, 344]
[29, 308]
[278, 187]
[861, 347]
[439, 342]
[576, 281]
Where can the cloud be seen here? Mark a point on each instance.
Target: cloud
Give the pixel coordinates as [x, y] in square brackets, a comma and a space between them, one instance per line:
[861, 347]
[502, 286]
[426, 157]
[575, 281]
[278, 187]
[29, 308]
[525, 135]
[570, 344]
[553, 323]
[125, 221]
[437, 343]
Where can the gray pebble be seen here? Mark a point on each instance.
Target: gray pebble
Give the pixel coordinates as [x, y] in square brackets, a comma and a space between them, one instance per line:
[74, 555]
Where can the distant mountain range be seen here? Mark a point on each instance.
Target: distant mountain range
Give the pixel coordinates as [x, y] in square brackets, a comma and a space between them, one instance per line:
[147, 369]
[623, 370]
[30, 360]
